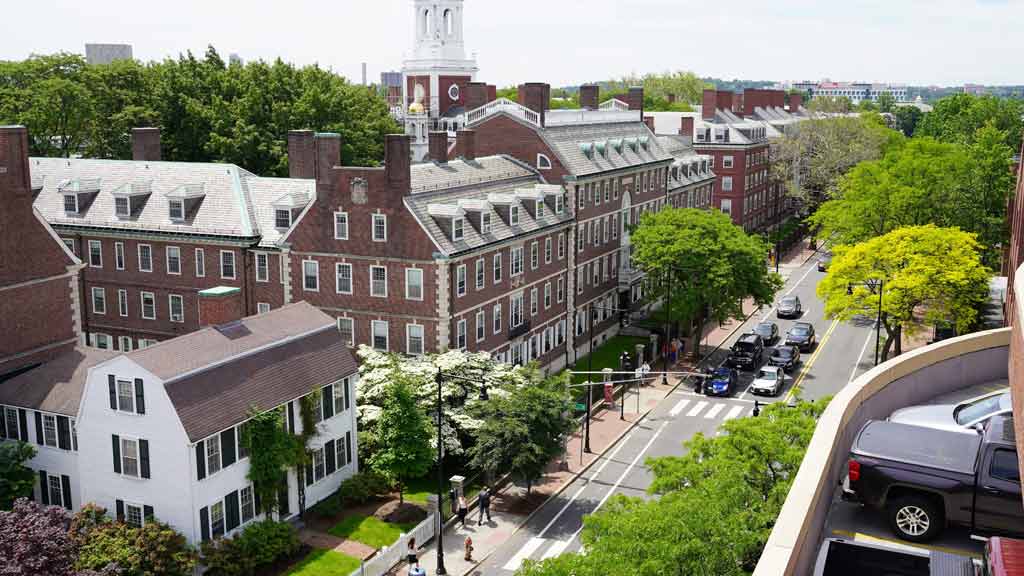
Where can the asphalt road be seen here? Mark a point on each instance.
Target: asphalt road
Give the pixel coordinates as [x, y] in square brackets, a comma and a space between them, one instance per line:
[843, 351]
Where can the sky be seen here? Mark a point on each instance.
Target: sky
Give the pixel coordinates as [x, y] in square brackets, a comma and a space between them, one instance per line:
[564, 42]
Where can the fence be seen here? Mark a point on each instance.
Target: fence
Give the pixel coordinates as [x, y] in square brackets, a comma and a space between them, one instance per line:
[388, 556]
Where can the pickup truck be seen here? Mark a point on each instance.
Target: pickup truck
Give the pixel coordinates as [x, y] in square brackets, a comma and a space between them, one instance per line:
[840, 557]
[925, 479]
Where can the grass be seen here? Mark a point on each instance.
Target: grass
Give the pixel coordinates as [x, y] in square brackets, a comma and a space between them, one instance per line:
[369, 530]
[417, 490]
[322, 562]
[607, 356]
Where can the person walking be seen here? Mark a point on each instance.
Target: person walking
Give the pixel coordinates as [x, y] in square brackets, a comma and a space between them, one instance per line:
[483, 501]
[645, 370]
[469, 549]
[417, 570]
[411, 554]
[463, 510]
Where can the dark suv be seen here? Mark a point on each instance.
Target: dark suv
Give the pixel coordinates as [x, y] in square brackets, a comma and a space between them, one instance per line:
[747, 353]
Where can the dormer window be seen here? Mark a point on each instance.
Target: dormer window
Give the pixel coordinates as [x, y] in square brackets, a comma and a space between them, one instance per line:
[176, 209]
[485, 223]
[458, 228]
[540, 209]
[513, 216]
[282, 218]
[602, 148]
[71, 203]
[559, 204]
[588, 149]
[543, 162]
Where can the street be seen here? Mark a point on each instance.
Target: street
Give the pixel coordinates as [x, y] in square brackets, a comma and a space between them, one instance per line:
[843, 351]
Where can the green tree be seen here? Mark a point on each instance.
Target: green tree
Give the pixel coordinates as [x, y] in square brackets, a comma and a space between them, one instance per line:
[957, 118]
[155, 549]
[907, 118]
[404, 434]
[926, 275]
[705, 261]
[830, 104]
[16, 479]
[886, 102]
[272, 451]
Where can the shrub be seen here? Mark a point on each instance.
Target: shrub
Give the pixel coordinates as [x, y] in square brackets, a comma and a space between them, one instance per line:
[362, 487]
[328, 507]
[260, 544]
[156, 549]
[34, 540]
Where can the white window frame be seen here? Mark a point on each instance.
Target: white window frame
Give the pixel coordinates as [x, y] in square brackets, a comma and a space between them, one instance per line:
[387, 336]
[513, 215]
[485, 222]
[213, 456]
[409, 328]
[496, 268]
[559, 203]
[64, 200]
[277, 223]
[234, 271]
[49, 431]
[124, 343]
[344, 217]
[460, 280]
[458, 229]
[98, 245]
[461, 339]
[410, 273]
[496, 318]
[513, 252]
[548, 251]
[385, 282]
[167, 259]
[560, 290]
[262, 269]
[481, 325]
[727, 161]
[119, 260]
[102, 293]
[126, 441]
[200, 263]
[142, 305]
[170, 307]
[338, 267]
[547, 295]
[316, 276]
[262, 307]
[516, 303]
[171, 203]
[726, 183]
[481, 274]
[351, 324]
[543, 162]
[561, 245]
[383, 219]
[534, 303]
[534, 255]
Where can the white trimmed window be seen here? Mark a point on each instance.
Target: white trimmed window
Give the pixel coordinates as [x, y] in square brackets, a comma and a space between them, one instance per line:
[513, 215]
[581, 236]
[727, 206]
[559, 204]
[534, 255]
[481, 274]
[212, 454]
[347, 329]
[485, 223]
[726, 161]
[248, 507]
[533, 302]
[516, 310]
[539, 207]
[173, 254]
[414, 339]
[262, 267]
[497, 267]
[99, 300]
[119, 255]
[217, 518]
[71, 203]
[380, 228]
[560, 290]
[176, 209]
[460, 280]
[517, 261]
[379, 330]
[581, 198]
[341, 225]
[49, 430]
[547, 295]
[727, 183]
[262, 307]
[176, 307]
[378, 281]
[547, 250]
[543, 162]
[133, 515]
[227, 264]
[311, 275]
[145, 258]
[95, 254]
[130, 457]
[413, 284]
[496, 318]
[200, 262]
[101, 341]
[481, 324]
[615, 226]
[282, 218]
[460, 334]
[148, 305]
[343, 278]
[561, 245]
[458, 228]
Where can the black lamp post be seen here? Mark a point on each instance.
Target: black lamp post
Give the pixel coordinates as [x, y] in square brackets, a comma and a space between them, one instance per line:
[880, 285]
[590, 370]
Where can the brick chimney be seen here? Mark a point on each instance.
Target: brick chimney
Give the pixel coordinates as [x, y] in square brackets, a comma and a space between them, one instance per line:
[635, 98]
[220, 305]
[708, 104]
[796, 100]
[465, 144]
[476, 95]
[15, 179]
[590, 96]
[535, 96]
[397, 163]
[686, 126]
[301, 154]
[146, 144]
[328, 154]
[649, 121]
[492, 93]
[437, 146]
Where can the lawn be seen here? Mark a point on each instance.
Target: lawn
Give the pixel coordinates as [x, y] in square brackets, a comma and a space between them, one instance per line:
[322, 562]
[607, 356]
[418, 490]
[369, 530]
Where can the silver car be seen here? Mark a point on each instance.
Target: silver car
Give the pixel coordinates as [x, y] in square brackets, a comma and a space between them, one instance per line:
[956, 417]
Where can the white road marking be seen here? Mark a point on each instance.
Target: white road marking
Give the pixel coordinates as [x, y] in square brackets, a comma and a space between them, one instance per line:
[513, 564]
[557, 548]
[696, 409]
[790, 291]
[863, 349]
[733, 412]
[678, 408]
[714, 410]
[629, 468]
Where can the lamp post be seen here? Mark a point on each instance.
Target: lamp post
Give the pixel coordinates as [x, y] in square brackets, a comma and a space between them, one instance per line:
[880, 285]
[590, 369]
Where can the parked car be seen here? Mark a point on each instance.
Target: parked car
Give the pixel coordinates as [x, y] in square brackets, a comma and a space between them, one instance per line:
[824, 262]
[924, 479]
[960, 417]
[722, 382]
[768, 331]
[801, 335]
[747, 352]
[770, 380]
[789, 307]
[785, 357]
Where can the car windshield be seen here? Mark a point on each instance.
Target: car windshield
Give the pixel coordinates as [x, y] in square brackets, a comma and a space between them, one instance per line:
[782, 352]
[763, 329]
[767, 375]
[799, 330]
[721, 374]
[743, 347]
[973, 411]
[789, 301]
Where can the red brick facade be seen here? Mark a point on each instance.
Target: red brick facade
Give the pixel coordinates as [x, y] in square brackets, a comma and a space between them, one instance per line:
[504, 135]
[1015, 256]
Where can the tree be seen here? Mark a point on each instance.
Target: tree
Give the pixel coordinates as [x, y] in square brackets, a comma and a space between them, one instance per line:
[405, 452]
[16, 479]
[705, 262]
[34, 540]
[926, 274]
[718, 503]
[523, 429]
[886, 102]
[272, 451]
[867, 106]
[907, 118]
[957, 118]
[830, 104]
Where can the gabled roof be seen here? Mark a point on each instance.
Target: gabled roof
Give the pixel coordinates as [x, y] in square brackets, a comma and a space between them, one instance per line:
[55, 386]
[569, 141]
[265, 193]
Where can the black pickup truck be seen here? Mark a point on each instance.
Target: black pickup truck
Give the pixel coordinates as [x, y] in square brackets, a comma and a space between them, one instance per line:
[925, 479]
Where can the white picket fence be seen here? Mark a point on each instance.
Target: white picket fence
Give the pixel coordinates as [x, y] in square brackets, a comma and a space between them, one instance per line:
[388, 556]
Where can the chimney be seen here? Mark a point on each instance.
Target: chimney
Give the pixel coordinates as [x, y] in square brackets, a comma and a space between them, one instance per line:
[635, 98]
[590, 95]
[535, 96]
[778, 99]
[492, 93]
[15, 179]
[301, 154]
[796, 100]
[328, 154]
[686, 126]
[649, 121]
[397, 162]
[476, 95]
[437, 146]
[709, 104]
[220, 305]
[146, 144]
[465, 144]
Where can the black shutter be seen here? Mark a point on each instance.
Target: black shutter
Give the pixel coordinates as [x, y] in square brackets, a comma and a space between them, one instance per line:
[119, 510]
[309, 472]
[39, 428]
[329, 457]
[63, 433]
[283, 501]
[144, 457]
[291, 417]
[147, 512]
[204, 523]
[346, 383]
[140, 397]
[23, 424]
[257, 500]
[44, 488]
[227, 447]
[3, 422]
[327, 401]
[231, 511]
[65, 489]
[348, 448]
[200, 460]
[112, 385]
[115, 443]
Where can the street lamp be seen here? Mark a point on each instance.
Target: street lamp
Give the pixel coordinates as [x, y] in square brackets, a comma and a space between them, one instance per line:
[880, 285]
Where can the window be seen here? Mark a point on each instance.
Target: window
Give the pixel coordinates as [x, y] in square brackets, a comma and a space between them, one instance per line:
[579, 279]
[133, 515]
[176, 308]
[101, 341]
[378, 281]
[458, 228]
[213, 454]
[347, 329]
[282, 218]
[480, 274]
[119, 255]
[54, 486]
[124, 343]
[341, 225]
[460, 334]
[95, 254]
[460, 280]
[615, 226]
[379, 329]
[481, 324]
[581, 236]
[517, 261]
[516, 310]
[615, 189]
[559, 204]
[311, 275]
[547, 250]
[1004, 466]
[341, 453]
[11, 419]
[70, 244]
[726, 206]
[200, 262]
[581, 198]
[414, 339]
[341, 402]
[71, 203]
[533, 302]
[727, 183]
[173, 260]
[148, 305]
[604, 230]
[176, 209]
[496, 321]
[262, 267]
[262, 307]
[49, 430]
[227, 264]
[534, 255]
[560, 291]
[485, 223]
[248, 507]
[130, 457]
[414, 284]
[99, 301]
[561, 245]
[217, 518]
[380, 228]
[607, 190]
[543, 162]
[597, 193]
[513, 216]
[547, 295]
[343, 278]
[497, 268]
[539, 206]
[726, 161]
[319, 466]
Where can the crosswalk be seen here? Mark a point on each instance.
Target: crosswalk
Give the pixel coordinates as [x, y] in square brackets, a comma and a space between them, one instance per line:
[709, 410]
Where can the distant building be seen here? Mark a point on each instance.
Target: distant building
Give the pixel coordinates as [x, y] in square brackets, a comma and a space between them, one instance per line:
[234, 59]
[855, 91]
[107, 53]
[390, 79]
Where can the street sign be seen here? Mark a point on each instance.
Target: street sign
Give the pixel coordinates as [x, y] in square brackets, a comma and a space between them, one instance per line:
[580, 406]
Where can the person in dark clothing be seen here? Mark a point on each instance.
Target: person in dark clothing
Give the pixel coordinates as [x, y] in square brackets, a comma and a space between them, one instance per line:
[483, 501]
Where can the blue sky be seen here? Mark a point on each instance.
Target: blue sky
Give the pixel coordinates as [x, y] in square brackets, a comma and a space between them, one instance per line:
[566, 42]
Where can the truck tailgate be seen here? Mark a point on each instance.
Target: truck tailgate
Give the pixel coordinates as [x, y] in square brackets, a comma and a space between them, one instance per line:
[946, 564]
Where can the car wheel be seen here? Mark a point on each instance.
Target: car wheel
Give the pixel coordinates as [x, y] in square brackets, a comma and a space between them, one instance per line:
[915, 518]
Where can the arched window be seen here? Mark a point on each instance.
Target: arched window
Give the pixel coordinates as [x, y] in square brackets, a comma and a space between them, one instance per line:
[543, 162]
[449, 23]
[426, 22]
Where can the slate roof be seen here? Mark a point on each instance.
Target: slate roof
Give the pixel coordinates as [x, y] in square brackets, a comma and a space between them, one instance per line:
[431, 176]
[565, 141]
[265, 192]
[682, 151]
[55, 386]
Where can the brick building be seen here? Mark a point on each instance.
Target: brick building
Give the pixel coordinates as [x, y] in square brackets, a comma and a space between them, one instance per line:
[1015, 253]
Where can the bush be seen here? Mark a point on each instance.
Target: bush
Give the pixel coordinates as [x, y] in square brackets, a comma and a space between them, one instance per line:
[260, 544]
[361, 488]
[328, 507]
[155, 549]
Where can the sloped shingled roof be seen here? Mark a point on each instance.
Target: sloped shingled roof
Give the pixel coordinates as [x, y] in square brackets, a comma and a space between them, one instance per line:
[565, 141]
[55, 386]
[428, 177]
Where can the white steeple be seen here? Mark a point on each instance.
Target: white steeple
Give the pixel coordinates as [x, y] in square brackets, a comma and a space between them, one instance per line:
[438, 26]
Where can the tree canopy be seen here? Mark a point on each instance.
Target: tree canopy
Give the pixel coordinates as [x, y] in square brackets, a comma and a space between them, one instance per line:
[16, 479]
[926, 275]
[403, 432]
[957, 118]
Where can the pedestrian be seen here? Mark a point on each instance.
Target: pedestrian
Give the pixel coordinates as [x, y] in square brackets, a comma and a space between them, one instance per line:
[469, 549]
[645, 371]
[757, 408]
[416, 570]
[411, 555]
[483, 501]
[463, 510]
